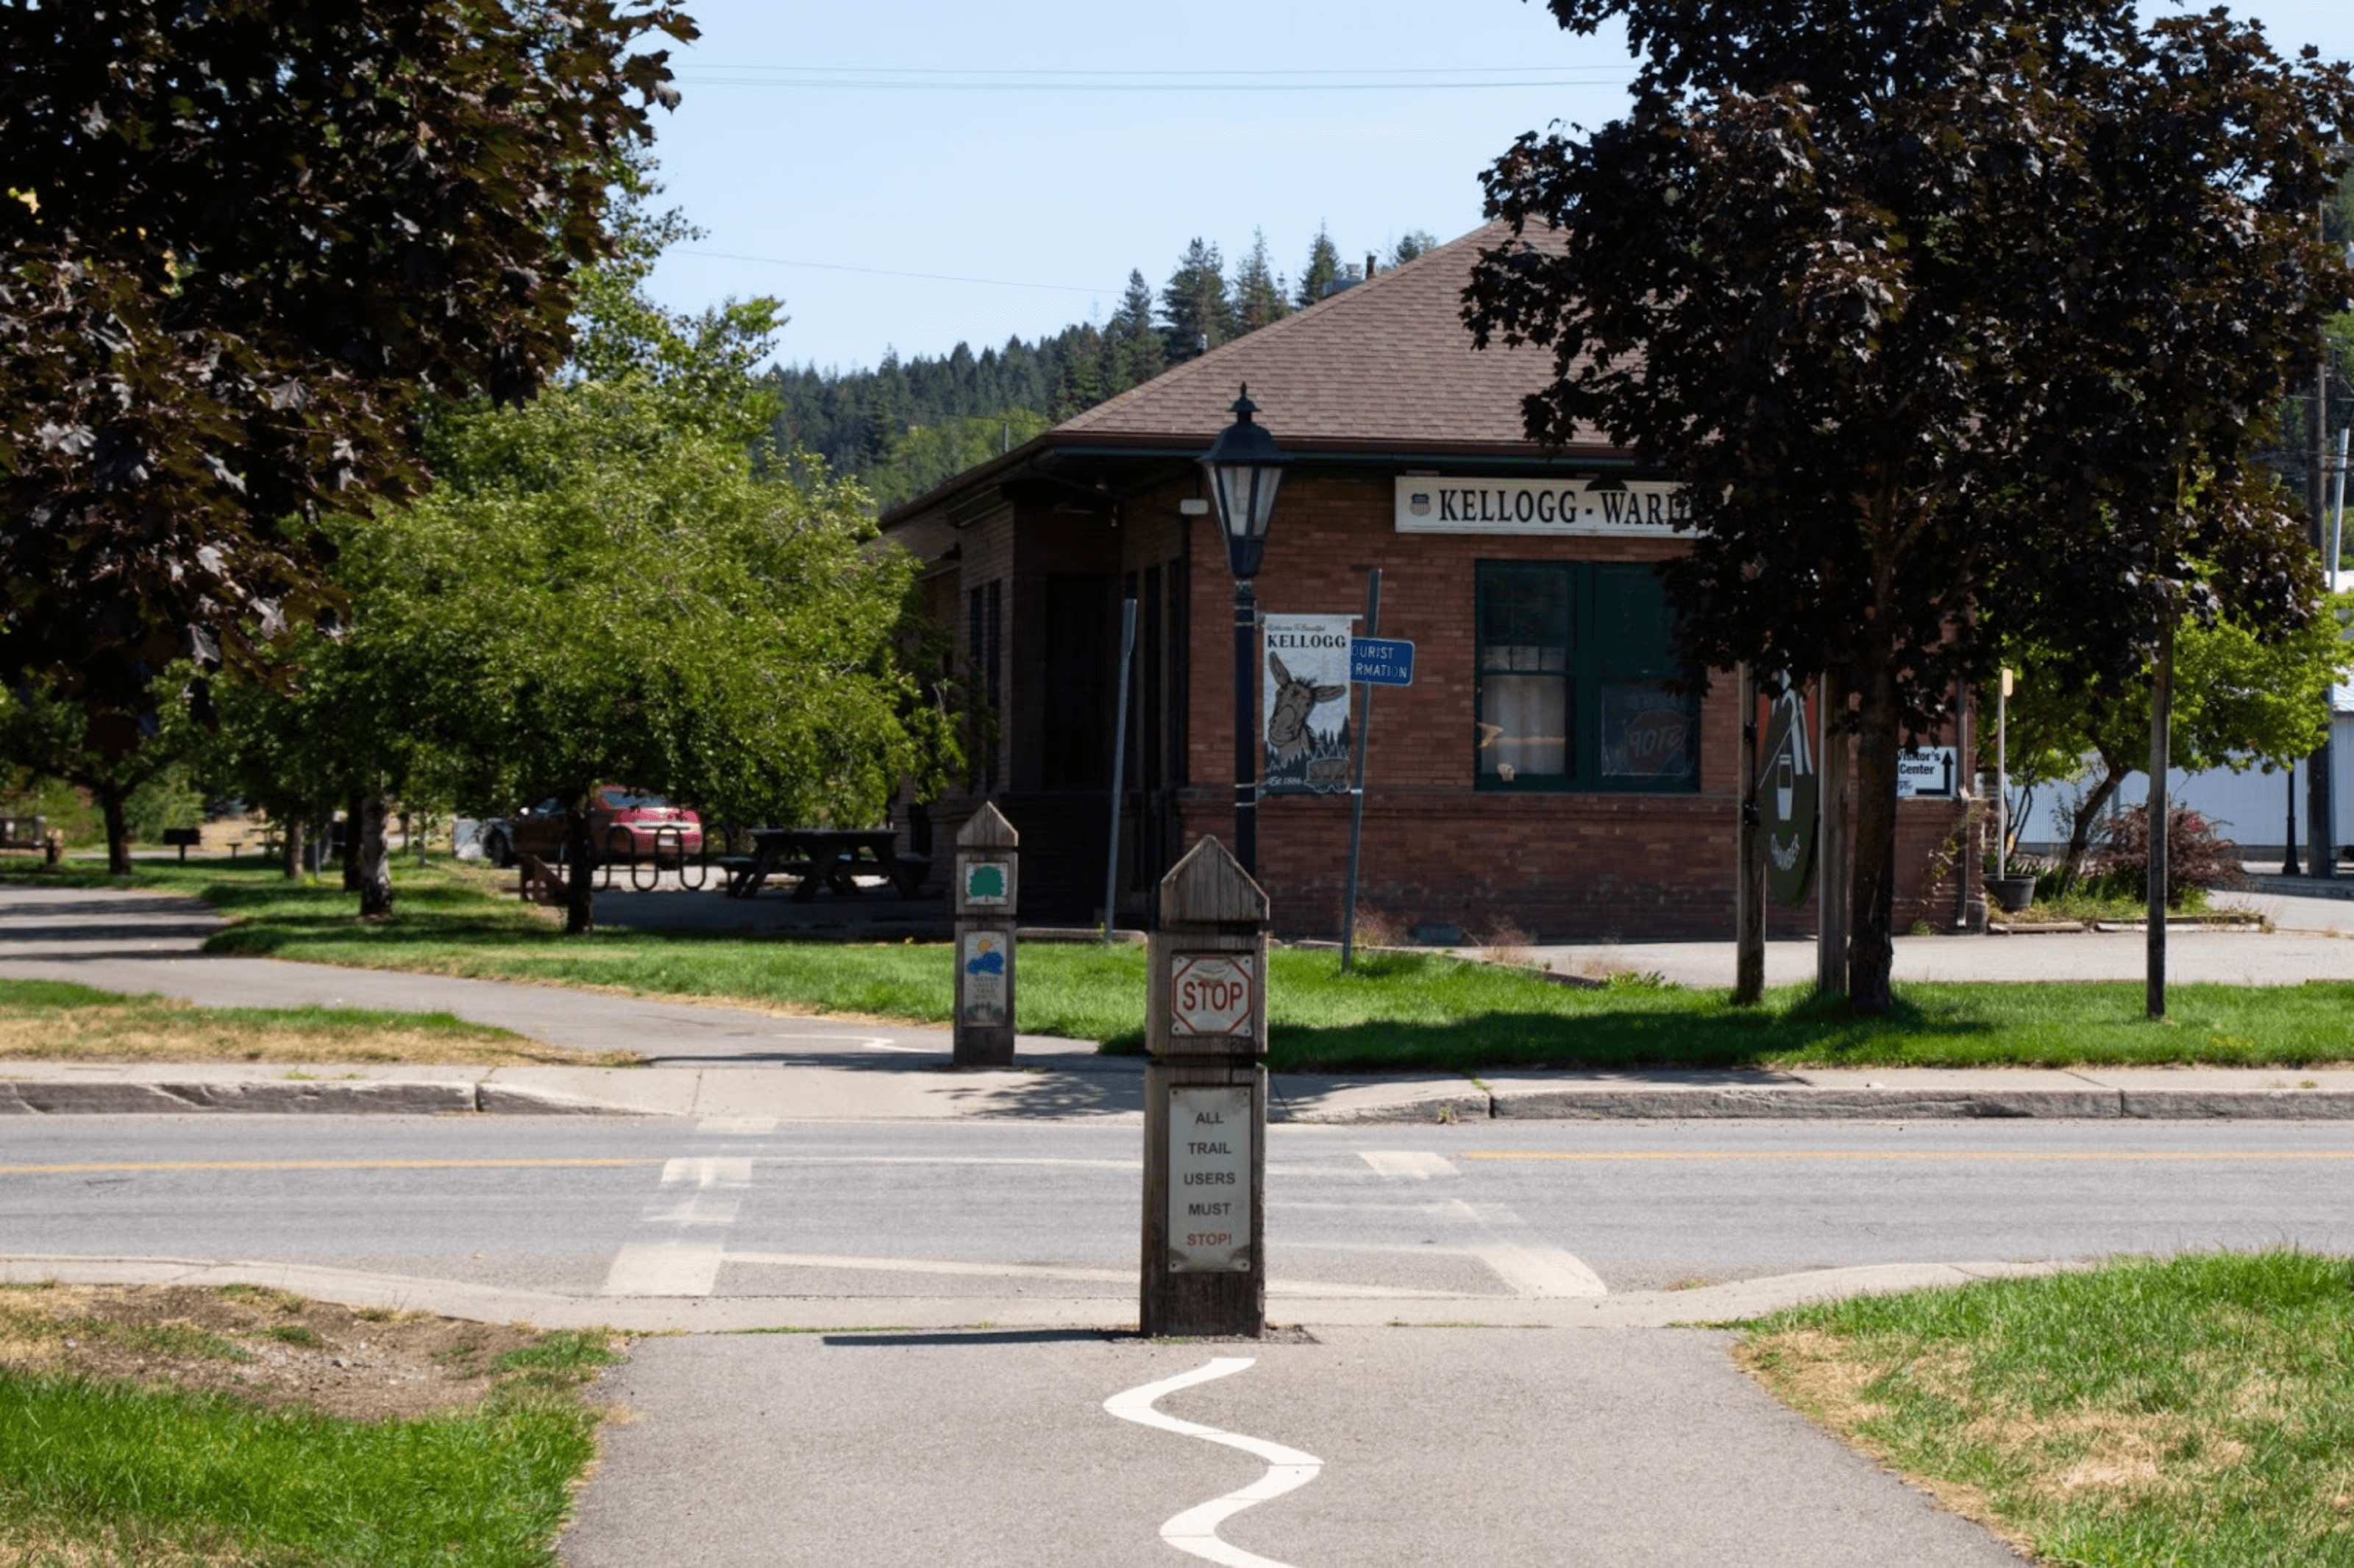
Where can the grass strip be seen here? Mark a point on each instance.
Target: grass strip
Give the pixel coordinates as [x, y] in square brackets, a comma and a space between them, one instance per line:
[2195, 1410]
[59, 1021]
[102, 1471]
[1397, 1012]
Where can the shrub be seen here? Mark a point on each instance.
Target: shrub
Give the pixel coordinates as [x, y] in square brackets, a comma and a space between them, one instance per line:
[2196, 855]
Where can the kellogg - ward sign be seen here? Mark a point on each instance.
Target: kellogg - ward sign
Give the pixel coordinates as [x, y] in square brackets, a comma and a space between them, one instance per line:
[1437, 504]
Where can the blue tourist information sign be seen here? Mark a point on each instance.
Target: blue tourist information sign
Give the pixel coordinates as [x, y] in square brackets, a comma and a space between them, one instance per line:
[1381, 661]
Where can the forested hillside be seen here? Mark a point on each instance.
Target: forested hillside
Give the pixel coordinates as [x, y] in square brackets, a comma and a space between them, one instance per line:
[906, 425]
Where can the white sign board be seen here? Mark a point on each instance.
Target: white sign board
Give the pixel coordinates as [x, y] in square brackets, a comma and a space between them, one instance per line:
[1211, 993]
[1927, 774]
[1641, 508]
[1209, 1180]
[984, 959]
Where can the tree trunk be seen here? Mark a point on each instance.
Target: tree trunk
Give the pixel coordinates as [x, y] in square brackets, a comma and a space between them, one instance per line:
[111, 798]
[2161, 714]
[1749, 871]
[581, 869]
[290, 847]
[374, 856]
[1872, 913]
[1831, 838]
[2088, 812]
[353, 810]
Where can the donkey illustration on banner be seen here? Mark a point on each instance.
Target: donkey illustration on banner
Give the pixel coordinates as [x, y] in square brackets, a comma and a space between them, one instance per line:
[1288, 736]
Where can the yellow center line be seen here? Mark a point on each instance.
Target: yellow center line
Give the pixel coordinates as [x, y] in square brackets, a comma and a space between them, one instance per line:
[314, 1165]
[1902, 1154]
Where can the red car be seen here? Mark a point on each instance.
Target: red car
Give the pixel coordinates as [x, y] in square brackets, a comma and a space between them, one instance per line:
[624, 824]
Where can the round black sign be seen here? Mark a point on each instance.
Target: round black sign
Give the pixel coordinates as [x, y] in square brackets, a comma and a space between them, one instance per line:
[1787, 801]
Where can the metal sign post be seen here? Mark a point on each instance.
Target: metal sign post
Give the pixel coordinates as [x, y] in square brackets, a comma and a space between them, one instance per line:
[1372, 662]
[1119, 767]
[983, 897]
[1204, 1263]
[1357, 789]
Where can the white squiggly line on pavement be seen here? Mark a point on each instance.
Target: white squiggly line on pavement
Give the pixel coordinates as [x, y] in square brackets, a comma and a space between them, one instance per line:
[1196, 1530]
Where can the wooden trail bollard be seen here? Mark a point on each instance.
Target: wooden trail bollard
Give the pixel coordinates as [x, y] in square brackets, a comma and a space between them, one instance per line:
[984, 896]
[1205, 1103]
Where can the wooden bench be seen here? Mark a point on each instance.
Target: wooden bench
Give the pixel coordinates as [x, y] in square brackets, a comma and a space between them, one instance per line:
[747, 873]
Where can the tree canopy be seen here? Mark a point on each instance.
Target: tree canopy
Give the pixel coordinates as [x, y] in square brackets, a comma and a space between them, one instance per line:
[1883, 280]
[244, 240]
[2239, 702]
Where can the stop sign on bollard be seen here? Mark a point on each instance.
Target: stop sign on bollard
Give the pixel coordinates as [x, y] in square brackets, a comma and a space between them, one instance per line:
[1211, 993]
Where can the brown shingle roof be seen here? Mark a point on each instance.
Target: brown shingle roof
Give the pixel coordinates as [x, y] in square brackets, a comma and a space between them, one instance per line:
[1387, 364]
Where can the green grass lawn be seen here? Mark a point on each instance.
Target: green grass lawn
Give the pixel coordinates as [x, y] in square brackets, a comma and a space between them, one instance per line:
[2199, 1410]
[1398, 1012]
[100, 1470]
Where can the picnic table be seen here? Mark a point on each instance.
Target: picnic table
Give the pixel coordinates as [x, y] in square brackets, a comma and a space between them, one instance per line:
[823, 857]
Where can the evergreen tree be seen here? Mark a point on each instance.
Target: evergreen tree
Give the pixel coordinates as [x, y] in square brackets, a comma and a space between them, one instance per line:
[1258, 292]
[1413, 243]
[1135, 342]
[1079, 380]
[1193, 305]
[1323, 270]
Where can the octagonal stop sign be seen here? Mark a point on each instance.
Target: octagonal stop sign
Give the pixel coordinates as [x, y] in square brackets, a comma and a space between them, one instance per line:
[1211, 993]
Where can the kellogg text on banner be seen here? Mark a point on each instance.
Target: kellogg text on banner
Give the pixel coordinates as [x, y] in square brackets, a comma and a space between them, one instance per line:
[1306, 687]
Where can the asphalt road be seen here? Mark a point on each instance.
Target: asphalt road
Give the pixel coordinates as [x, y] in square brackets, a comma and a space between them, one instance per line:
[973, 1220]
[872, 1446]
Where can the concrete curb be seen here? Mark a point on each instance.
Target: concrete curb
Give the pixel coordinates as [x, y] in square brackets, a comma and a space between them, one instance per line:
[1299, 1098]
[297, 1097]
[870, 1315]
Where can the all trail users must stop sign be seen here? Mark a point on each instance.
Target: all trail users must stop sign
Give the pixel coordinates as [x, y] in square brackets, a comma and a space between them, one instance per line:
[1211, 993]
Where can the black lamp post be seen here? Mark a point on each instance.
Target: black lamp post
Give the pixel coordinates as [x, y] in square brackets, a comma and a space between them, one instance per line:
[1246, 469]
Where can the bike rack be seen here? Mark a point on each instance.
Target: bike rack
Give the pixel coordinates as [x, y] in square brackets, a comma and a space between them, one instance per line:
[629, 856]
[702, 862]
[653, 869]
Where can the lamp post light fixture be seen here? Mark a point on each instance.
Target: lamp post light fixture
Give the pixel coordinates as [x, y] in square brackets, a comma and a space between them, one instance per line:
[1245, 468]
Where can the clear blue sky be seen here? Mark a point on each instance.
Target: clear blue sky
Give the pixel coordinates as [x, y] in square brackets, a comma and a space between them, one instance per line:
[1054, 144]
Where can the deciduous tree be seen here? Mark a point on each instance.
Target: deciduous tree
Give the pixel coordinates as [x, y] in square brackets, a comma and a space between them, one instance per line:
[246, 240]
[1833, 268]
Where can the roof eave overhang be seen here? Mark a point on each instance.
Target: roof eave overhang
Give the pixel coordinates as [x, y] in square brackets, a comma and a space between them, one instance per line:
[1306, 453]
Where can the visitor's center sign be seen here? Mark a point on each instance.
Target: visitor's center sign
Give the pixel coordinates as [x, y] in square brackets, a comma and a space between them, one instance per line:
[1643, 508]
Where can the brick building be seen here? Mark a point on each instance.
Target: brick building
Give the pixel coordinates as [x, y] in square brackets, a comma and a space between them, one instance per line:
[1541, 769]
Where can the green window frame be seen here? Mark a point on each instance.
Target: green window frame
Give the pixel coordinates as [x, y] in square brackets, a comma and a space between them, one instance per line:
[1576, 681]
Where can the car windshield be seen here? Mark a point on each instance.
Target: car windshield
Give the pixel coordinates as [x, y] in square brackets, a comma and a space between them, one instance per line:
[621, 800]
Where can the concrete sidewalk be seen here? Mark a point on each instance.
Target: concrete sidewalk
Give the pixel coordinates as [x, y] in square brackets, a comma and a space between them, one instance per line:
[712, 1061]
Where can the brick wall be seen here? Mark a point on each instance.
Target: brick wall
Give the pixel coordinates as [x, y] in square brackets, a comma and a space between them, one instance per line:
[1566, 866]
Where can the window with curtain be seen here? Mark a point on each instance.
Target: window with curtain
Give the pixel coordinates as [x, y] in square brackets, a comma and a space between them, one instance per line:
[1576, 676]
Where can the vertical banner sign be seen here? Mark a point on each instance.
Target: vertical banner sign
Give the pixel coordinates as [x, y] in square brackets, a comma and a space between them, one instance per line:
[1788, 798]
[1209, 1180]
[984, 979]
[1306, 687]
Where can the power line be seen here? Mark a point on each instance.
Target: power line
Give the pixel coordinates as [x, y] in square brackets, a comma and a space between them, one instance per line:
[894, 272]
[881, 84]
[984, 71]
[917, 78]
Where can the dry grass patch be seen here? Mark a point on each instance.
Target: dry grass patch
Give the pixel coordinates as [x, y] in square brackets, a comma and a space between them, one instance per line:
[52, 1022]
[269, 1347]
